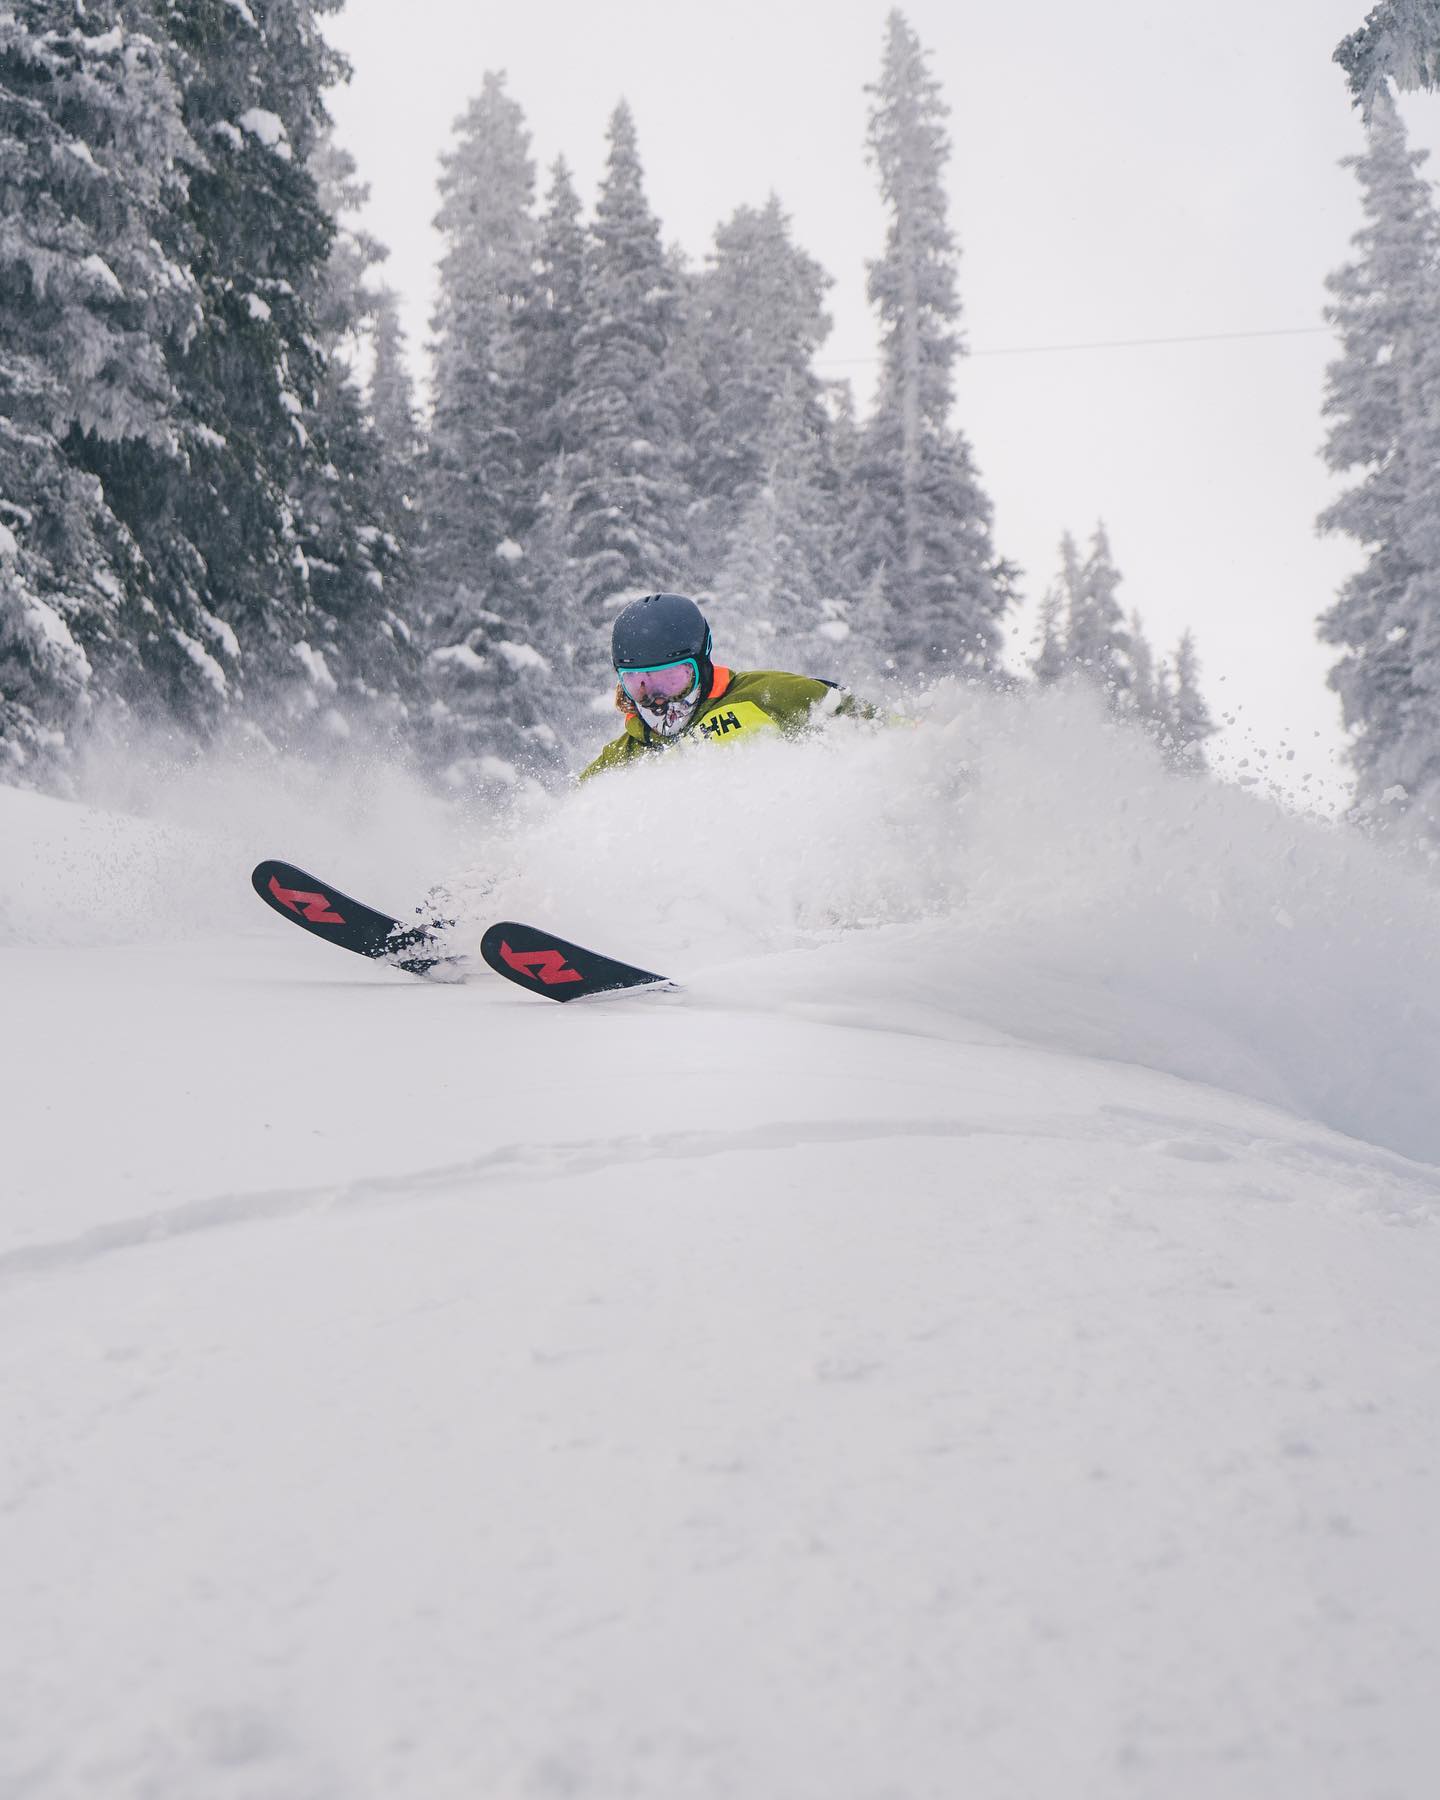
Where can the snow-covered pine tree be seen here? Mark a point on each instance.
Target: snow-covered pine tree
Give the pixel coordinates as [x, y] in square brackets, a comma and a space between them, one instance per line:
[547, 323]
[758, 317]
[1049, 664]
[360, 664]
[489, 679]
[864, 606]
[776, 592]
[1187, 718]
[94, 160]
[627, 494]
[1144, 694]
[921, 515]
[343, 302]
[1381, 401]
[1097, 643]
[1399, 42]
[392, 390]
[548, 320]
[219, 526]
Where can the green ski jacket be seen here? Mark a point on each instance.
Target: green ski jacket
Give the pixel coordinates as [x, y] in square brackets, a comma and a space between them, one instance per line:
[740, 704]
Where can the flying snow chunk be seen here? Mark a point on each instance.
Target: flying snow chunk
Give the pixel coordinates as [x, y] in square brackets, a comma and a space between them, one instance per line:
[257, 309]
[509, 551]
[835, 631]
[269, 128]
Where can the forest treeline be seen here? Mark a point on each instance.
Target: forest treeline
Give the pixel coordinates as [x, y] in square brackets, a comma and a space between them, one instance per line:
[220, 499]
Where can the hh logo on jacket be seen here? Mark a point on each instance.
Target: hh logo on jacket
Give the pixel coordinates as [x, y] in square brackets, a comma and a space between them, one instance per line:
[745, 715]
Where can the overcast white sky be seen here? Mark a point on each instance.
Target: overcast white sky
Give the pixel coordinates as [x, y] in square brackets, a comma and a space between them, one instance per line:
[1120, 170]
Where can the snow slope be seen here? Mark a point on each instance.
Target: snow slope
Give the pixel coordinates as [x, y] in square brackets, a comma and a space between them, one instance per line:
[979, 1338]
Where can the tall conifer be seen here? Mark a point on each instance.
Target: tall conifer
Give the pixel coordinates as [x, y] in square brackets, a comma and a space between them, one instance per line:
[548, 323]
[1381, 401]
[627, 496]
[489, 678]
[1188, 719]
[759, 317]
[224, 529]
[1399, 42]
[777, 587]
[95, 291]
[392, 389]
[1098, 642]
[922, 516]
[1049, 663]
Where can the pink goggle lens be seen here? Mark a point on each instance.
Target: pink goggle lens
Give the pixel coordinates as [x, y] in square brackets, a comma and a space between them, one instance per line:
[672, 681]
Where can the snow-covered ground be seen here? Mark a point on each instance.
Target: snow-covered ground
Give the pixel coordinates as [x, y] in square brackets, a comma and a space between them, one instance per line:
[979, 1338]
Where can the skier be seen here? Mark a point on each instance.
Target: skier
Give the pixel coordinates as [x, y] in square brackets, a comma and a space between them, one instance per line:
[669, 688]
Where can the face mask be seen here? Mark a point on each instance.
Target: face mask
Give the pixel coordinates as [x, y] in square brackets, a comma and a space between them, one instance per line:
[672, 719]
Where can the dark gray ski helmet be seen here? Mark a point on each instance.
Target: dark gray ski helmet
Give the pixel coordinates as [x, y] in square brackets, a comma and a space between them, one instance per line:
[661, 628]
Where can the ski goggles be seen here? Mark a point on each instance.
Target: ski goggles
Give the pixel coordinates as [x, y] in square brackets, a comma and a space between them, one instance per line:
[662, 683]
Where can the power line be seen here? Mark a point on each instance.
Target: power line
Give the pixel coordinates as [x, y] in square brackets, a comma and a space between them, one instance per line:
[1204, 337]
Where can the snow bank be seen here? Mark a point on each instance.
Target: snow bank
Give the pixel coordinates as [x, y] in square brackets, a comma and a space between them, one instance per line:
[413, 1390]
[164, 850]
[1011, 863]
[1022, 862]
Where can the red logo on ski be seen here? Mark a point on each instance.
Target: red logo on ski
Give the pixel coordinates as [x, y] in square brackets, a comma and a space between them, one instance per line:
[315, 909]
[548, 966]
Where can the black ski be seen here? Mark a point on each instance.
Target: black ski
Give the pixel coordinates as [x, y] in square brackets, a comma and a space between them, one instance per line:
[559, 970]
[327, 913]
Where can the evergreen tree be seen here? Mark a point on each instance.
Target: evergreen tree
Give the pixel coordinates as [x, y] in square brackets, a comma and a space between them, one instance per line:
[922, 517]
[392, 391]
[1399, 42]
[359, 660]
[758, 319]
[392, 419]
[1187, 716]
[343, 302]
[219, 526]
[1050, 663]
[1144, 694]
[94, 292]
[548, 321]
[776, 589]
[489, 678]
[627, 496]
[1098, 644]
[1382, 398]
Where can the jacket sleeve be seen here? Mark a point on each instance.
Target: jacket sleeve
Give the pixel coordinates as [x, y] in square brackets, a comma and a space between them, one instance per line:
[840, 703]
[803, 701]
[615, 754]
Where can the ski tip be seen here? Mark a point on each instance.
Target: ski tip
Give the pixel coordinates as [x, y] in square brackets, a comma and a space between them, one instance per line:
[557, 969]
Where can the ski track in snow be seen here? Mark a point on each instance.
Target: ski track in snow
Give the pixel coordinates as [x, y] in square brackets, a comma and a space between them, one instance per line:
[994, 1352]
[1410, 1195]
